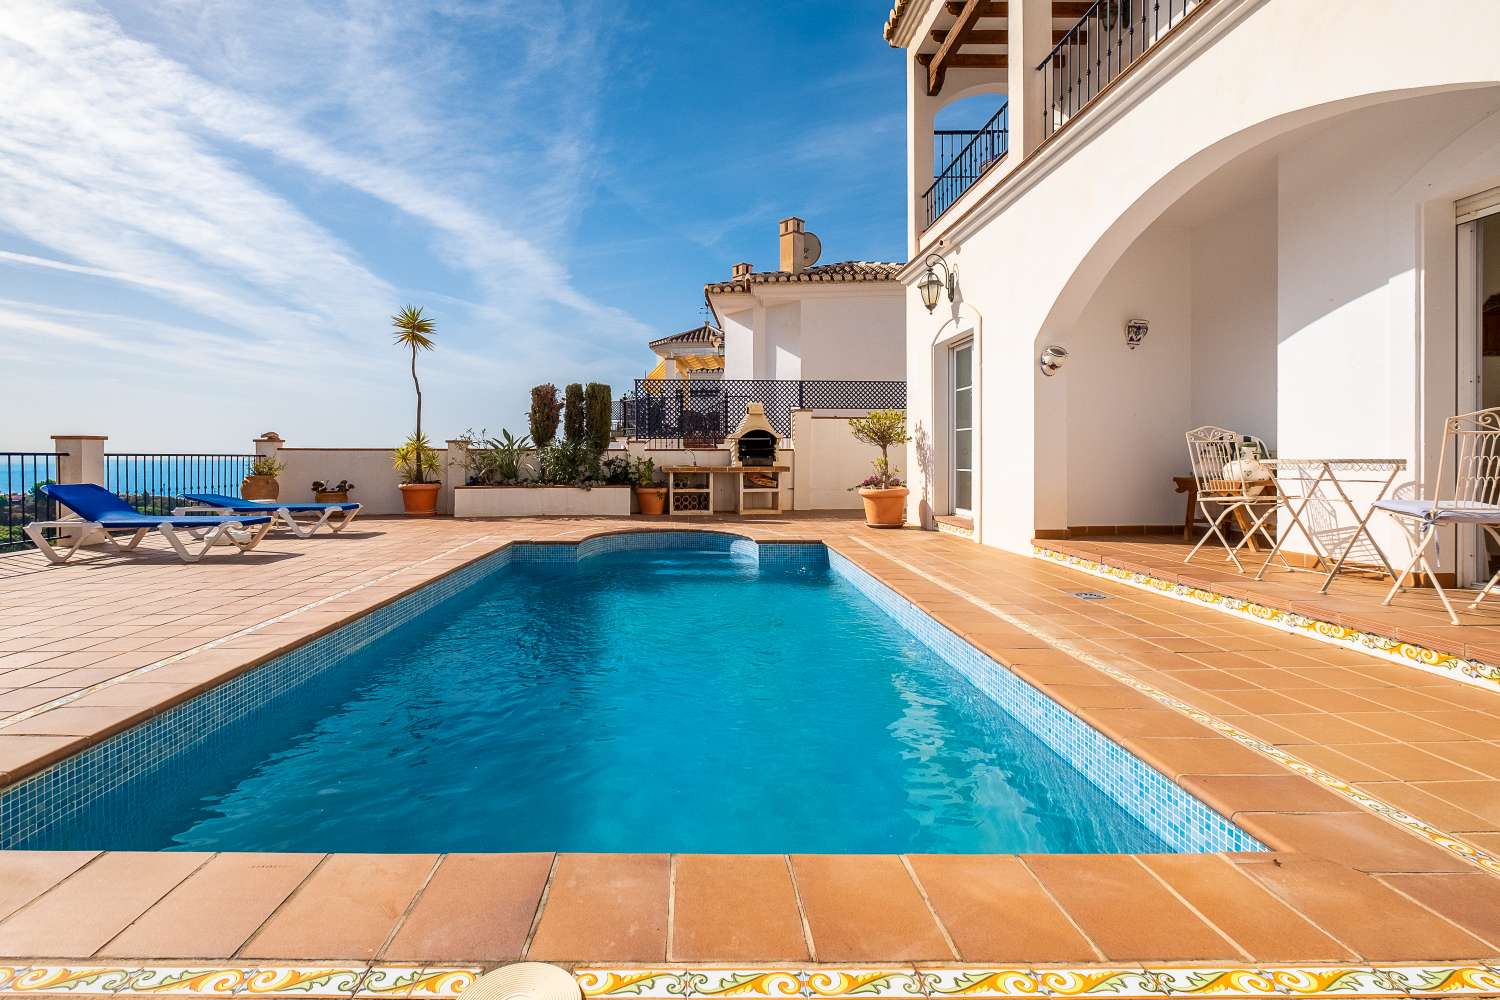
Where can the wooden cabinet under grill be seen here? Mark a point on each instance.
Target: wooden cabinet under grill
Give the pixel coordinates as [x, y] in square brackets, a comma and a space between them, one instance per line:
[757, 488]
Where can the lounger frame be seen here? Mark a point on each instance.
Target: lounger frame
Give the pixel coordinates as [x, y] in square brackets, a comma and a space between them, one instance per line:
[95, 533]
[283, 516]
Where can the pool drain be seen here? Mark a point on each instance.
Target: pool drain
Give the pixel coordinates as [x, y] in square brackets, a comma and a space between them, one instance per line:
[1089, 595]
[525, 981]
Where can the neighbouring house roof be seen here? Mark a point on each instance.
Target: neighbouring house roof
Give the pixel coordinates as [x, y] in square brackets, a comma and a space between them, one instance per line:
[704, 334]
[848, 270]
[700, 362]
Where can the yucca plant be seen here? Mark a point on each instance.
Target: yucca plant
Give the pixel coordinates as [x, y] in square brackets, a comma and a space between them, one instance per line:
[416, 459]
[415, 331]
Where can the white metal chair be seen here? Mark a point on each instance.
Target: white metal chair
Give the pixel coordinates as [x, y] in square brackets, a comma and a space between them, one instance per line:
[1474, 498]
[1223, 473]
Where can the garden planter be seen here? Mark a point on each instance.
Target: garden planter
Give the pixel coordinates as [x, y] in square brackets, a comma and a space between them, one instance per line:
[885, 508]
[332, 496]
[420, 499]
[260, 488]
[651, 499]
[541, 501]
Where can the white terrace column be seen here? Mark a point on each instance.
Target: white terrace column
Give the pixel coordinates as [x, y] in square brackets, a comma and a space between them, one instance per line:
[80, 457]
[1030, 26]
[455, 472]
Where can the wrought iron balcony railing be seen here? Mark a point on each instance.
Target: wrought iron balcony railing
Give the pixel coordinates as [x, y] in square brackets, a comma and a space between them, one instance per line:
[964, 157]
[1109, 38]
[703, 412]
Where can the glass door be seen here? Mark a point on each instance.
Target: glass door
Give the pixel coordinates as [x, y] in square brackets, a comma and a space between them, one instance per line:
[961, 378]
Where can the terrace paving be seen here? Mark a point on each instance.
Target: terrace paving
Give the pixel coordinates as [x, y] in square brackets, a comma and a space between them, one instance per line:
[1376, 785]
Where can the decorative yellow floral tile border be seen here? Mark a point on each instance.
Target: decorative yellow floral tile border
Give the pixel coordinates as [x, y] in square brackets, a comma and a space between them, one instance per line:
[1477, 672]
[679, 983]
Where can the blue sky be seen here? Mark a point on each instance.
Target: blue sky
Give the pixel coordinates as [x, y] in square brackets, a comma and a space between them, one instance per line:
[210, 208]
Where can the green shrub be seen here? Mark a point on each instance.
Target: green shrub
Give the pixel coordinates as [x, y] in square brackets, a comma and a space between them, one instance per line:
[545, 411]
[599, 416]
[573, 413]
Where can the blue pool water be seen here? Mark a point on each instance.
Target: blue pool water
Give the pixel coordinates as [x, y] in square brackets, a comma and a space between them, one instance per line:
[669, 700]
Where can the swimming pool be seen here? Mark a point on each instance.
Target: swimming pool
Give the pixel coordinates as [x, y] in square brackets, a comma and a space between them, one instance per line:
[682, 692]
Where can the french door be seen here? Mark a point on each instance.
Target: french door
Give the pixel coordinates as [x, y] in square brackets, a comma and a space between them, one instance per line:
[961, 436]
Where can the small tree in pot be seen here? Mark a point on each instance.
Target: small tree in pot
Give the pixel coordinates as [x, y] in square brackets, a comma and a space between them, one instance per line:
[883, 493]
[416, 459]
[651, 498]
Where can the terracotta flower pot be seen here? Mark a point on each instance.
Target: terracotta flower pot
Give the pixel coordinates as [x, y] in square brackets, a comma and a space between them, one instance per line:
[653, 500]
[331, 496]
[260, 488]
[420, 499]
[885, 508]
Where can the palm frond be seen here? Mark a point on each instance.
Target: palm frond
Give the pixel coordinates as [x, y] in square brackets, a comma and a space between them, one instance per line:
[413, 329]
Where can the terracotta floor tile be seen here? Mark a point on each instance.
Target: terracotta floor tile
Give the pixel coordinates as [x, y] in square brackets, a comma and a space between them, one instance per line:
[1215, 755]
[1286, 792]
[78, 917]
[1258, 922]
[1481, 796]
[368, 892]
[1440, 813]
[216, 909]
[25, 875]
[605, 908]
[734, 908]
[1132, 722]
[1360, 840]
[865, 908]
[1472, 901]
[1096, 891]
[1361, 912]
[996, 911]
[70, 721]
[25, 754]
[476, 908]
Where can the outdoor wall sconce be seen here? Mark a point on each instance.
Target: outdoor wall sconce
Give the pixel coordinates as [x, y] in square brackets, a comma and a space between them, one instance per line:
[1135, 333]
[1052, 359]
[931, 286]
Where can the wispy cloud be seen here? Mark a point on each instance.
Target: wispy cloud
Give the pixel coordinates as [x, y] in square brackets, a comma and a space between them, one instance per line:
[200, 152]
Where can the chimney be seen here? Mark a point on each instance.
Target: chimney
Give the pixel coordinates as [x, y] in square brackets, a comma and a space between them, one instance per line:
[740, 270]
[793, 244]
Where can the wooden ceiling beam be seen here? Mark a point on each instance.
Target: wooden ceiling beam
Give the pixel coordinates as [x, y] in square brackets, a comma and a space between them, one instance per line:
[991, 9]
[966, 60]
[1070, 9]
[968, 18]
[978, 36]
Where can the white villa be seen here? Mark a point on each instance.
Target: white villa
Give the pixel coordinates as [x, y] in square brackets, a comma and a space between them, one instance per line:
[811, 321]
[1295, 197]
[697, 353]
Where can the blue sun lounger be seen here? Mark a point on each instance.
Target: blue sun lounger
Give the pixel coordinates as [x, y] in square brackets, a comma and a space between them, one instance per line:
[222, 503]
[103, 513]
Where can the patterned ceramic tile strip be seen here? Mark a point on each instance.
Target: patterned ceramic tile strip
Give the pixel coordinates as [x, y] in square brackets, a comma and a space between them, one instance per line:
[214, 644]
[681, 983]
[1476, 672]
[1463, 849]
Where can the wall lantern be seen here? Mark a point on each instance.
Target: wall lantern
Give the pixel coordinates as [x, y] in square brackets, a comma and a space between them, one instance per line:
[1052, 359]
[1135, 333]
[931, 286]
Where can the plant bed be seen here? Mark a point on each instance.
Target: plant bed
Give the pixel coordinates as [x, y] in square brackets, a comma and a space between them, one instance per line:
[541, 501]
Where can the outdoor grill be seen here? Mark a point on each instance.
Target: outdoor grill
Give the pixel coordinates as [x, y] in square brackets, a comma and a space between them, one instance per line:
[754, 441]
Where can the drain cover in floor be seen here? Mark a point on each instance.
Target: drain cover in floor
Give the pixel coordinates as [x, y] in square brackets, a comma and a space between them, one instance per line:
[1089, 595]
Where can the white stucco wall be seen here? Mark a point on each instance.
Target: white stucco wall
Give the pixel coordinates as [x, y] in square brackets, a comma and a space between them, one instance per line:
[830, 460]
[377, 485]
[783, 340]
[857, 334]
[1364, 253]
[740, 360]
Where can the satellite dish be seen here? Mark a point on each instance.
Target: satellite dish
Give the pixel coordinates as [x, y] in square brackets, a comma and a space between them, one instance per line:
[812, 249]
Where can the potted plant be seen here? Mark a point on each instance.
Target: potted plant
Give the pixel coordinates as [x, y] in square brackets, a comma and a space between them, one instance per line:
[331, 492]
[417, 461]
[260, 482]
[883, 493]
[651, 498]
[416, 458]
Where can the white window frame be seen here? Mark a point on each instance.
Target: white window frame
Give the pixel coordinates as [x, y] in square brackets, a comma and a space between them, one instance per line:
[953, 428]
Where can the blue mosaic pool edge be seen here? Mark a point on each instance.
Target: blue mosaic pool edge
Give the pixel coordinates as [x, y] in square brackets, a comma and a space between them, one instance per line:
[1160, 804]
[30, 807]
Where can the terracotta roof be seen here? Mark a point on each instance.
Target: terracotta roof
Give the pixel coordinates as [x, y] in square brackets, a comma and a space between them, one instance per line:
[848, 270]
[898, 11]
[704, 334]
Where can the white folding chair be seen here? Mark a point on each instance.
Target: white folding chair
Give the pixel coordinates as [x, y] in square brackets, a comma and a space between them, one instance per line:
[1220, 471]
[1474, 498]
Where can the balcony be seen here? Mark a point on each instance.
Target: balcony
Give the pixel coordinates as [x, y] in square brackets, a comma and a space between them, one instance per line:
[963, 157]
[1108, 39]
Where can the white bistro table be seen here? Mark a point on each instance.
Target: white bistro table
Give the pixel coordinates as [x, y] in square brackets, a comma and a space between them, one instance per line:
[1301, 481]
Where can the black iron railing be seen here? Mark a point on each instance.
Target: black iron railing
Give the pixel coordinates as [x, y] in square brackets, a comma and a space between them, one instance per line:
[690, 412]
[155, 483]
[959, 162]
[1109, 37]
[22, 475]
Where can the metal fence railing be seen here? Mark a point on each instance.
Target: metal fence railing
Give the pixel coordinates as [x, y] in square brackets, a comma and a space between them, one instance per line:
[703, 412]
[22, 475]
[1102, 44]
[155, 483]
[961, 164]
